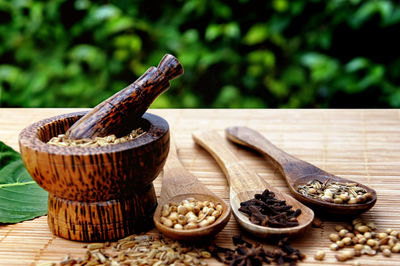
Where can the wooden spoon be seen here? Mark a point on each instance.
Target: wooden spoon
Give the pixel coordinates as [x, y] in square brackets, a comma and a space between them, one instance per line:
[244, 183]
[298, 172]
[179, 184]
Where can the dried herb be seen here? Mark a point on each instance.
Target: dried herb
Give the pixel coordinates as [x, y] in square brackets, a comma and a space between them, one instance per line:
[246, 253]
[266, 210]
[335, 192]
[62, 141]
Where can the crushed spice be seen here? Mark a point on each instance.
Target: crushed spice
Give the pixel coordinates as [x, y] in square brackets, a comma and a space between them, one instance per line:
[62, 141]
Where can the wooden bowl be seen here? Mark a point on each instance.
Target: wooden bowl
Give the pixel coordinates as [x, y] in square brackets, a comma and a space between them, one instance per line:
[97, 193]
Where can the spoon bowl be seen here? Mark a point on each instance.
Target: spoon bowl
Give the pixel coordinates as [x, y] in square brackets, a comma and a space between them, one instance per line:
[244, 184]
[262, 231]
[179, 184]
[298, 172]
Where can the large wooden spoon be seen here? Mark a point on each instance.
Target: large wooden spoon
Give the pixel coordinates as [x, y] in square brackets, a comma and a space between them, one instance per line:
[179, 184]
[244, 184]
[298, 172]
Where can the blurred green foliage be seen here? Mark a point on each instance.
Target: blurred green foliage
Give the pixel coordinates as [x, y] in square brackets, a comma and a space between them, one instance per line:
[279, 53]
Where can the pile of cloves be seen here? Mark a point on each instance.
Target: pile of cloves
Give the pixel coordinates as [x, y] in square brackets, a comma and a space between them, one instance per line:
[246, 253]
[266, 210]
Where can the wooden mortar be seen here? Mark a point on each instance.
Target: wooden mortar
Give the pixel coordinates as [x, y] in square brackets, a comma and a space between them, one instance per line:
[97, 193]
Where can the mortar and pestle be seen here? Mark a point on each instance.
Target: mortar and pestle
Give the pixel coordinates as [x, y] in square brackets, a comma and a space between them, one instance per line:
[103, 193]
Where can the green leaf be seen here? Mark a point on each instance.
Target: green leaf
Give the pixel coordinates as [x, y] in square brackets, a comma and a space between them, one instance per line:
[256, 34]
[280, 5]
[232, 30]
[213, 31]
[229, 97]
[356, 64]
[322, 67]
[20, 197]
[365, 12]
[105, 12]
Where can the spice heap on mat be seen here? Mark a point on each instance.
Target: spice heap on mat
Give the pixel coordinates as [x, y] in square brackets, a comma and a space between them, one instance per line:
[246, 253]
[335, 192]
[266, 210]
[62, 141]
[190, 214]
[141, 250]
[362, 239]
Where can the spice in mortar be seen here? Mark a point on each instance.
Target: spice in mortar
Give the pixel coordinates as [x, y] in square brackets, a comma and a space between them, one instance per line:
[190, 214]
[335, 192]
[62, 141]
[266, 210]
[246, 253]
[141, 250]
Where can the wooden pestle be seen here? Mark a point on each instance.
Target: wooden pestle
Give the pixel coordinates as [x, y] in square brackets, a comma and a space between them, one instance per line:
[119, 113]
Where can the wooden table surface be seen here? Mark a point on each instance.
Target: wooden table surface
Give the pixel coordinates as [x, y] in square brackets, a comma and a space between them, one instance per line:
[363, 145]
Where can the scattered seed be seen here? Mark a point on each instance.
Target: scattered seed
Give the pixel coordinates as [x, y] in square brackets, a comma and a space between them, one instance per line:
[334, 247]
[320, 255]
[386, 252]
[140, 250]
[345, 255]
[334, 237]
[364, 239]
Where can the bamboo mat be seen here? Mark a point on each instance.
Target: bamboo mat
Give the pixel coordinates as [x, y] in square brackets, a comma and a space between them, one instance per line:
[363, 145]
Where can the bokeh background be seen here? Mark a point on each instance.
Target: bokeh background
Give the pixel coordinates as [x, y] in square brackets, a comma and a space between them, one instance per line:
[253, 54]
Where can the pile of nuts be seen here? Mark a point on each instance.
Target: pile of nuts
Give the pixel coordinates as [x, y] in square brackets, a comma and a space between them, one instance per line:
[62, 141]
[363, 238]
[190, 214]
[140, 250]
[335, 192]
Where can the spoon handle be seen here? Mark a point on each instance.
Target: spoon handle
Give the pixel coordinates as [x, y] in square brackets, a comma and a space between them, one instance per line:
[291, 167]
[176, 179]
[240, 178]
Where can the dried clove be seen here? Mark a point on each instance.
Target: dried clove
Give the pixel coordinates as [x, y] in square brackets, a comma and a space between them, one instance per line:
[246, 253]
[266, 210]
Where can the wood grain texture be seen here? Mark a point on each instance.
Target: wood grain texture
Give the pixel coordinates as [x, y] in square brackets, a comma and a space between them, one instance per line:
[362, 145]
[97, 193]
[96, 173]
[117, 114]
[102, 221]
[245, 183]
[179, 184]
[298, 172]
